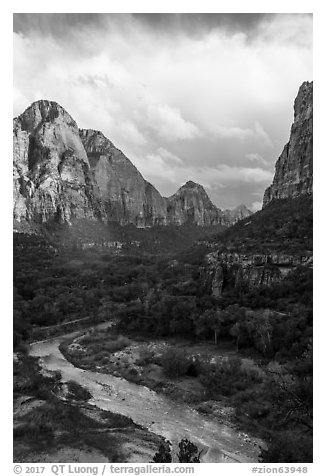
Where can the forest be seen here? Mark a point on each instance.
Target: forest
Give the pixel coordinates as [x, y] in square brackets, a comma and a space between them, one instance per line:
[162, 295]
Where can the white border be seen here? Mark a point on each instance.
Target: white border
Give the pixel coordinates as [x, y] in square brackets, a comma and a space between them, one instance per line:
[175, 6]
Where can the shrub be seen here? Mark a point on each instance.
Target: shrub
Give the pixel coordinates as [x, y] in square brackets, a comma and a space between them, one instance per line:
[163, 455]
[77, 392]
[174, 363]
[188, 452]
[146, 357]
[116, 345]
[227, 377]
[288, 447]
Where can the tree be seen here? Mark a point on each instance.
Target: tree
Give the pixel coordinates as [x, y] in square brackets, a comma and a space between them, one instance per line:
[288, 447]
[163, 455]
[260, 326]
[188, 452]
[235, 332]
[210, 320]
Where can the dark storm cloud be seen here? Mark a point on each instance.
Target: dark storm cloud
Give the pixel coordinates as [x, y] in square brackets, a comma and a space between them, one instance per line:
[203, 97]
[201, 23]
[241, 21]
[192, 24]
[55, 24]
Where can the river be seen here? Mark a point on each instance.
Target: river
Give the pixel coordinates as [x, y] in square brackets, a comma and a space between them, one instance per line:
[159, 413]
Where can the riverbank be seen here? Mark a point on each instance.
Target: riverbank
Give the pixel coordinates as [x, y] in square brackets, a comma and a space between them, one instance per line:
[139, 360]
[54, 422]
[153, 411]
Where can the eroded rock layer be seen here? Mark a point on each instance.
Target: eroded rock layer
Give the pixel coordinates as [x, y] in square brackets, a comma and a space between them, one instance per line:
[294, 168]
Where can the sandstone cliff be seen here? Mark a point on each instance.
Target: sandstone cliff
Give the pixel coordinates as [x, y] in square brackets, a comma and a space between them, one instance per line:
[285, 227]
[52, 177]
[125, 194]
[192, 204]
[251, 270]
[63, 174]
[294, 168]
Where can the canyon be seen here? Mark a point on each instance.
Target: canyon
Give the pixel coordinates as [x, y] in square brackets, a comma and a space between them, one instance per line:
[234, 260]
[63, 174]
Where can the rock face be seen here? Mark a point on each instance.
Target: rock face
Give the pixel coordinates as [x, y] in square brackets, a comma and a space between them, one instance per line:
[192, 204]
[52, 177]
[125, 194]
[294, 167]
[63, 174]
[252, 270]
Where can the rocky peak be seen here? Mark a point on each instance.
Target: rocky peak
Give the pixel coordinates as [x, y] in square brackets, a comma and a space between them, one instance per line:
[294, 168]
[238, 213]
[303, 102]
[191, 184]
[191, 188]
[126, 195]
[52, 178]
[192, 204]
[42, 112]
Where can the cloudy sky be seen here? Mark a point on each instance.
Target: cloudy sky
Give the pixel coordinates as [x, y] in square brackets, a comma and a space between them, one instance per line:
[202, 97]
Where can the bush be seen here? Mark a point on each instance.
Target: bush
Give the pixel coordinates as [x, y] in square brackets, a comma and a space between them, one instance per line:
[38, 426]
[288, 447]
[77, 392]
[174, 363]
[116, 345]
[163, 454]
[227, 377]
[188, 452]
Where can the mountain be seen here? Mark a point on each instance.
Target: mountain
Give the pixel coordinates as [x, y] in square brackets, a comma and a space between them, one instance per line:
[63, 174]
[238, 213]
[52, 175]
[294, 168]
[125, 194]
[192, 204]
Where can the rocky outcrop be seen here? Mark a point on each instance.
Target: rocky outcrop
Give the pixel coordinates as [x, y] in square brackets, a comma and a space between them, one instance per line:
[52, 176]
[192, 204]
[125, 194]
[294, 168]
[233, 269]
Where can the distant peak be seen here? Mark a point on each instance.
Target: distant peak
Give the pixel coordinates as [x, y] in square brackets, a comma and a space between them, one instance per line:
[191, 188]
[191, 184]
[242, 206]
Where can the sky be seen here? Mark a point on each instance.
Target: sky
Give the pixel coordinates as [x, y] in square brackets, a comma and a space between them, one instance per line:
[202, 97]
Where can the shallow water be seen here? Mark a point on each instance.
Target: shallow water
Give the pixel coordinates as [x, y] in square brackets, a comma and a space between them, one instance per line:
[158, 413]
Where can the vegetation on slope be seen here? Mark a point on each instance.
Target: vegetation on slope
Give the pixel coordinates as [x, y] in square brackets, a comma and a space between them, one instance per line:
[50, 424]
[162, 296]
[284, 226]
